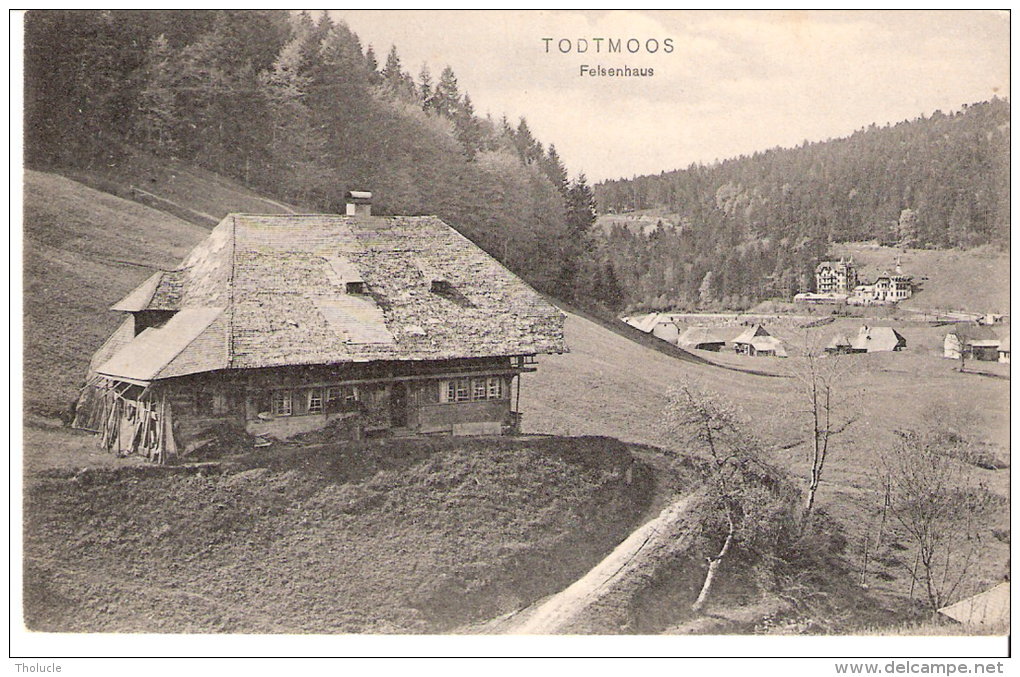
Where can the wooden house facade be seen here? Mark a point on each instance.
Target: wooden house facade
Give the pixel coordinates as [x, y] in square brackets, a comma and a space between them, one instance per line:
[286, 324]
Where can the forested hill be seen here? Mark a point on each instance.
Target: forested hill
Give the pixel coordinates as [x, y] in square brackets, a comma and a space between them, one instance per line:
[952, 171]
[755, 225]
[294, 106]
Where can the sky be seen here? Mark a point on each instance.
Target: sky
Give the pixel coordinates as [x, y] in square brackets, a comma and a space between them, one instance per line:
[734, 82]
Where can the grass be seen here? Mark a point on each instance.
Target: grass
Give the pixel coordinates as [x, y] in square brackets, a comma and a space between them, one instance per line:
[85, 249]
[194, 194]
[608, 385]
[405, 537]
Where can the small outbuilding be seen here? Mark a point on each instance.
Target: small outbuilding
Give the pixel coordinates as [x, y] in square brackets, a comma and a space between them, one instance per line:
[839, 345]
[973, 340]
[1004, 350]
[877, 340]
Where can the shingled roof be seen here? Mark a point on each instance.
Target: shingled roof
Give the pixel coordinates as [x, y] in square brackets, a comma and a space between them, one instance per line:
[749, 334]
[322, 289]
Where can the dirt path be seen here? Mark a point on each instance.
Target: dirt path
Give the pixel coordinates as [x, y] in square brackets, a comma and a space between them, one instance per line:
[635, 556]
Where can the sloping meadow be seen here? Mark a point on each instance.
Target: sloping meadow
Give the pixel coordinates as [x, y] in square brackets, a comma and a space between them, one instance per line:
[401, 537]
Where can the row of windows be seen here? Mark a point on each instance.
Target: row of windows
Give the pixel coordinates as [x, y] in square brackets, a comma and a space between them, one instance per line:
[472, 389]
[314, 400]
[297, 402]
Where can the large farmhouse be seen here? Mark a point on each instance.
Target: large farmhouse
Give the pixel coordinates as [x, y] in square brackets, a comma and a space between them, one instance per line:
[284, 324]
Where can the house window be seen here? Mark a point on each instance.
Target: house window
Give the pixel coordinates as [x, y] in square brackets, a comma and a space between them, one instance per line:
[315, 401]
[339, 398]
[355, 287]
[478, 391]
[469, 389]
[283, 402]
[463, 389]
[495, 387]
[455, 390]
[333, 399]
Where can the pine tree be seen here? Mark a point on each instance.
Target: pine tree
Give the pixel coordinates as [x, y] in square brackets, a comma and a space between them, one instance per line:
[372, 64]
[554, 169]
[426, 94]
[468, 128]
[447, 95]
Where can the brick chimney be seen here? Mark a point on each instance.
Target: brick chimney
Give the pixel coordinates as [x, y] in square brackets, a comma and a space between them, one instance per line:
[359, 203]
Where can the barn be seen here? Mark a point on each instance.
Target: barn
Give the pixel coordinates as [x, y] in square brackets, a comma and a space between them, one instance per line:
[701, 338]
[877, 340]
[283, 324]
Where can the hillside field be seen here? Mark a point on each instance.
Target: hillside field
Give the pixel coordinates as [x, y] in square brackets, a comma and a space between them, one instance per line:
[974, 280]
[607, 385]
[401, 537]
[85, 249]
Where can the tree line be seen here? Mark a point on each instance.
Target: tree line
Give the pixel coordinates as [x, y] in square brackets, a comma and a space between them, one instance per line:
[753, 227]
[296, 107]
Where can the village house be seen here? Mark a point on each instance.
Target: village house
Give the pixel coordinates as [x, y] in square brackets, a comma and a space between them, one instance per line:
[888, 288]
[877, 340]
[975, 341]
[836, 276]
[755, 341]
[1004, 350]
[284, 324]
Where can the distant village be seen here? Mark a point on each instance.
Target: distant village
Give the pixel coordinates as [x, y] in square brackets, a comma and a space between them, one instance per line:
[837, 282]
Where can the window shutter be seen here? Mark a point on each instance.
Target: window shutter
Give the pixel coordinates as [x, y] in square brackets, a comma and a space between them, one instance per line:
[444, 392]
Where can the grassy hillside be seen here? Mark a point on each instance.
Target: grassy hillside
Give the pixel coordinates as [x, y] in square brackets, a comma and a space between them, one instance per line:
[84, 250]
[191, 193]
[401, 537]
[975, 280]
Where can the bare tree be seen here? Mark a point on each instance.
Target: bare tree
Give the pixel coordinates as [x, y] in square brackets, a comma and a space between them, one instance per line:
[830, 407]
[713, 427]
[939, 505]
